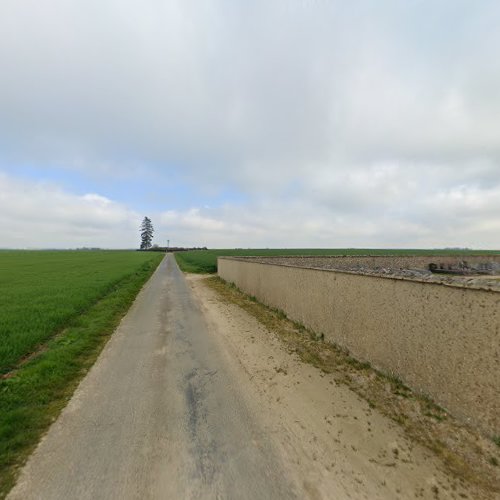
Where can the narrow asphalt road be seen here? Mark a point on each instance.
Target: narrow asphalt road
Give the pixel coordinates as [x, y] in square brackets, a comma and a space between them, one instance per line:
[158, 416]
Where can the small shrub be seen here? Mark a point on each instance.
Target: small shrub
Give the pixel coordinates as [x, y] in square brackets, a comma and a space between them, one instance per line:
[280, 314]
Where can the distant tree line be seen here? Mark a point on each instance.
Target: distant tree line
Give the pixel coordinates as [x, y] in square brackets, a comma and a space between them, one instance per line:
[156, 248]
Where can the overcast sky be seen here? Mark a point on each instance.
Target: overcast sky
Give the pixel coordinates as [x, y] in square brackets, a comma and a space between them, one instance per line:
[293, 123]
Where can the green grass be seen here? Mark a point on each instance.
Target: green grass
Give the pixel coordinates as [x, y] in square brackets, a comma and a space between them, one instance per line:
[74, 301]
[205, 261]
[41, 291]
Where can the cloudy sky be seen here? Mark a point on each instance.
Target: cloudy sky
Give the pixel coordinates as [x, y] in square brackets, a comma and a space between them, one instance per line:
[270, 123]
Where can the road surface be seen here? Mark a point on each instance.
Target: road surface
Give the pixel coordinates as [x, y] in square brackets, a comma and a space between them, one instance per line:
[193, 398]
[158, 416]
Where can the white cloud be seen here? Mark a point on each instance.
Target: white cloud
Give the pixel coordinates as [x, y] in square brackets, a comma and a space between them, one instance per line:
[41, 215]
[381, 206]
[373, 213]
[341, 123]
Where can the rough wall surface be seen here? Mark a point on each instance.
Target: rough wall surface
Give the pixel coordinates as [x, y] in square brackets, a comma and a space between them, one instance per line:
[394, 261]
[441, 340]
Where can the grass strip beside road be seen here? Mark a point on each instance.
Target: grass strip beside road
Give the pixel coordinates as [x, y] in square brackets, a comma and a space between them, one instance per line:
[33, 395]
[42, 291]
[205, 261]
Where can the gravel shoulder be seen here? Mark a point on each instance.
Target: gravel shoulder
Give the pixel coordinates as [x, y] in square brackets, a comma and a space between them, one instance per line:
[335, 444]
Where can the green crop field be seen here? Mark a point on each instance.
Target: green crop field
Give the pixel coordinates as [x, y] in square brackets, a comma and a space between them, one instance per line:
[205, 261]
[41, 291]
[57, 310]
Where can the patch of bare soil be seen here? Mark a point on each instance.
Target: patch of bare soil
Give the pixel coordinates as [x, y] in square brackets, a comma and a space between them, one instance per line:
[344, 429]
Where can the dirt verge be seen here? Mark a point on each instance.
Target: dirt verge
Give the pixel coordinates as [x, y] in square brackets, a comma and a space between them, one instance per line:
[346, 429]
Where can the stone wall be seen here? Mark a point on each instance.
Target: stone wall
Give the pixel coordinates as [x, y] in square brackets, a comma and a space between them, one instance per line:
[441, 340]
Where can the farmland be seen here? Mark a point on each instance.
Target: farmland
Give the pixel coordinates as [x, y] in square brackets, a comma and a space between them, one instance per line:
[205, 261]
[41, 291]
[57, 311]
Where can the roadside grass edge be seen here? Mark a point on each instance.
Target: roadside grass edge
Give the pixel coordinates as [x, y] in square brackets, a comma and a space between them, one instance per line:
[33, 397]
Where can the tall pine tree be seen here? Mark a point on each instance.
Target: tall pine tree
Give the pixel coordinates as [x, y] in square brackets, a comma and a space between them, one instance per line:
[146, 233]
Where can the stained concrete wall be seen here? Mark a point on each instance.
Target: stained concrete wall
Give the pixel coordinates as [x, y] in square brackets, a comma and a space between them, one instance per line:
[441, 340]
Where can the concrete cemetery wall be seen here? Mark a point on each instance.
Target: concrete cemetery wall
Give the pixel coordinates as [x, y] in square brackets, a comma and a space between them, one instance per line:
[441, 340]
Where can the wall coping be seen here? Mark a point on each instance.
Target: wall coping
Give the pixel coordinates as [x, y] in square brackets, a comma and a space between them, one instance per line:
[459, 283]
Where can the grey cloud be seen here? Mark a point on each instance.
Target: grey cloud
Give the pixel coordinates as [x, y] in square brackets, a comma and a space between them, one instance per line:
[276, 83]
[372, 111]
